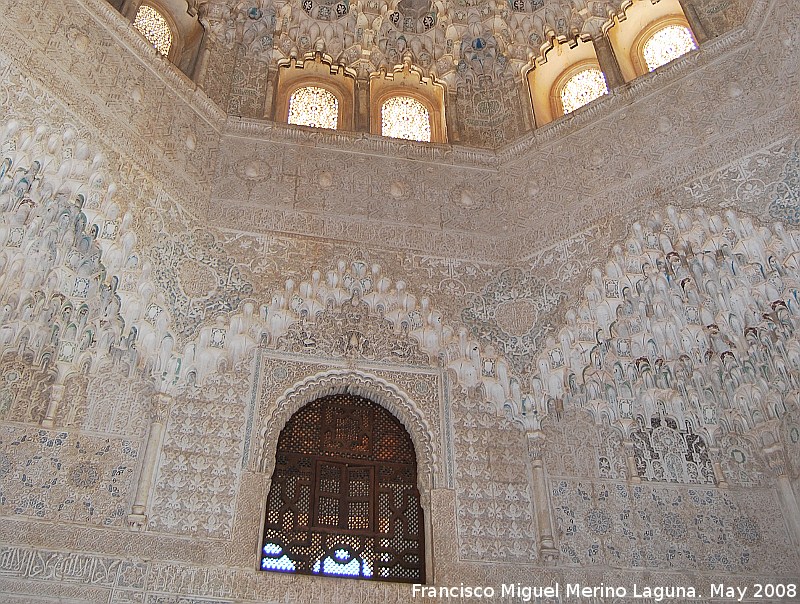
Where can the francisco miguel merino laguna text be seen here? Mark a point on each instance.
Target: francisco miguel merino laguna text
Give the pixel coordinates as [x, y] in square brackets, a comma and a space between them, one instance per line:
[526, 593]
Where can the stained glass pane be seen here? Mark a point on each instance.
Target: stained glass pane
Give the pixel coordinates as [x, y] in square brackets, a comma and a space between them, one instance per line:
[668, 44]
[404, 117]
[584, 87]
[343, 564]
[152, 25]
[275, 559]
[314, 106]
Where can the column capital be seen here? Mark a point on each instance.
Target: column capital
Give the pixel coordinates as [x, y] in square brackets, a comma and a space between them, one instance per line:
[536, 441]
[137, 522]
[160, 406]
[719, 475]
[630, 459]
[57, 391]
[775, 457]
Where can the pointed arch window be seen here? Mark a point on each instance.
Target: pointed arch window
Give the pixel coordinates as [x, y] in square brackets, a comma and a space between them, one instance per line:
[314, 106]
[343, 499]
[666, 45]
[405, 117]
[153, 26]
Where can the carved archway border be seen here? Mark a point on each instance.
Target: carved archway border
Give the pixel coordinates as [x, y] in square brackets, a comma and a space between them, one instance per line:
[339, 381]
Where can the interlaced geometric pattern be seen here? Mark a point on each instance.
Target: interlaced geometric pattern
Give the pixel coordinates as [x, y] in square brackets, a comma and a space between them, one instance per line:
[582, 88]
[152, 25]
[668, 44]
[344, 500]
[314, 106]
[404, 117]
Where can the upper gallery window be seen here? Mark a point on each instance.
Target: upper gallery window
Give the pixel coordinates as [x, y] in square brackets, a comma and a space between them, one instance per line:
[667, 44]
[314, 106]
[651, 35]
[405, 117]
[153, 26]
[582, 88]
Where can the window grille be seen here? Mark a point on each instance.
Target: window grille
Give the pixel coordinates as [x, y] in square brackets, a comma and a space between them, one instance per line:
[582, 88]
[314, 106]
[343, 499]
[666, 45]
[153, 26]
[405, 117]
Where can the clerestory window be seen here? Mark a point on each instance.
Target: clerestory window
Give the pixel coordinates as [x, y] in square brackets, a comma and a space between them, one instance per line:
[343, 499]
[314, 106]
[153, 26]
[405, 117]
[582, 88]
[667, 44]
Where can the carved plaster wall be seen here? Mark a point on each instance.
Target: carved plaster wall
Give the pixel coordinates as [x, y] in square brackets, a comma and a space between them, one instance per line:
[591, 333]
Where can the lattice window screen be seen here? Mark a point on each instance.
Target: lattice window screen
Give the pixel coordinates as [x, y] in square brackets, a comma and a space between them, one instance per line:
[343, 499]
[664, 453]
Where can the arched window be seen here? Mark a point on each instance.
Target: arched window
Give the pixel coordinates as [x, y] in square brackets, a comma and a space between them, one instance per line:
[314, 106]
[314, 92]
[582, 88]
[651, 35]
[564, 79]
[153, 26]
[343, 499]
[405, 104]
[405, 117]
[667, 44]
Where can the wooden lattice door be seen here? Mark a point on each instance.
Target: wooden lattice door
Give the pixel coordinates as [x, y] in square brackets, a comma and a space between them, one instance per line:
[343, 499]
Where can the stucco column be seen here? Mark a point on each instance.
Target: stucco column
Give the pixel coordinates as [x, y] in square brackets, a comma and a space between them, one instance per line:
[159, 412]
[719, 475]
[56, 396]
[690, 12]
[608, 62]
[201, 61]
[630, 461]
[427, 527]
[776, 460]
[541, 500]
[450, 102]
[270, 96]
[361, 109]
[526, 104]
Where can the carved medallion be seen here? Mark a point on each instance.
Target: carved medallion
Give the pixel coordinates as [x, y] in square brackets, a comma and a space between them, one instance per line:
[196, 279]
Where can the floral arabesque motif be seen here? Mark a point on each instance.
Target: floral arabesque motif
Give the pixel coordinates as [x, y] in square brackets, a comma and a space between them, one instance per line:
[207, 257]
[61, 476]
[351, 332]
[507, 311]
[199, 470]
[785, 204]
[669, 527]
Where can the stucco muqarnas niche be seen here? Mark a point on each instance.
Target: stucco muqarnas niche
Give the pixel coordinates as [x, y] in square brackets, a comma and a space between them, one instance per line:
[168, 255]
